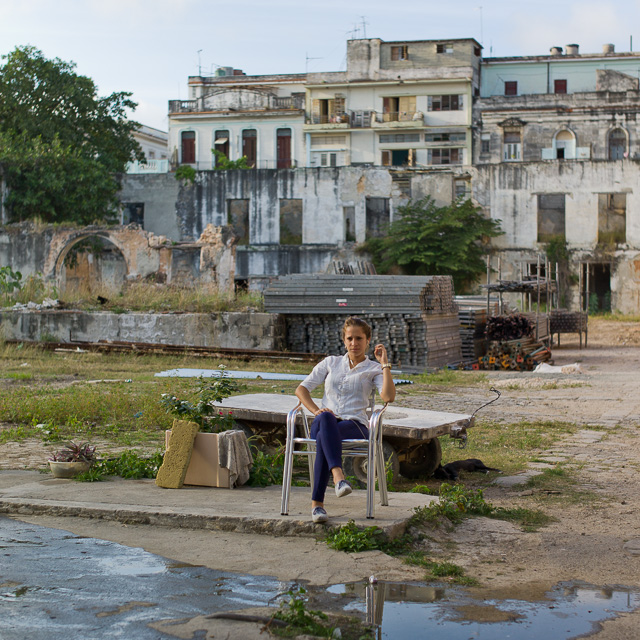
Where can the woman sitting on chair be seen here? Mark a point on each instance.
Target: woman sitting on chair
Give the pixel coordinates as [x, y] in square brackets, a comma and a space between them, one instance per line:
[348, 383]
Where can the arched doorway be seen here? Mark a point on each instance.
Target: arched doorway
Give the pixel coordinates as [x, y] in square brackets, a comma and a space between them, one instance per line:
[92, 264]
[617, 144]
[565, 145]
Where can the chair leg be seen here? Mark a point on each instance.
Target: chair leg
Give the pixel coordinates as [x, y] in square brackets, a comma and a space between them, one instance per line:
[371, 477]
[288, 469]
[382, 476]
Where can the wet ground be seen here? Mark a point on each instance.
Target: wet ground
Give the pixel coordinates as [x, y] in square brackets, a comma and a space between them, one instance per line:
[54, 584]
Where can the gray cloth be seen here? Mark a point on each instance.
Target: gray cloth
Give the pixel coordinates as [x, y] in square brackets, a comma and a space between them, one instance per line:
[235, 455]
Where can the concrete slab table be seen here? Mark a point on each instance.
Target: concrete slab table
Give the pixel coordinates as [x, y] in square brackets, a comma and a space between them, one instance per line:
[410, 434]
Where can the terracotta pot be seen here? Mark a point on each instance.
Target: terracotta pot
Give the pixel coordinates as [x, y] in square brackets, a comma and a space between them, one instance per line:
[68, 469]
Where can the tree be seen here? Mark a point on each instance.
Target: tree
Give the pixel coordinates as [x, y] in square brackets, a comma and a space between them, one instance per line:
[429, 240]
[61, 145]
[224, 164]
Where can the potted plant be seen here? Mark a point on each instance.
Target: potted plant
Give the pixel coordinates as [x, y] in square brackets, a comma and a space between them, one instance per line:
[74, 458]
[204, 468]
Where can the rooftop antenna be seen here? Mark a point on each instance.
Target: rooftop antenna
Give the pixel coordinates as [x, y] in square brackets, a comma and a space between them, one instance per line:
[364, 27]
[199, 65]
[306, 65]
[481, 27]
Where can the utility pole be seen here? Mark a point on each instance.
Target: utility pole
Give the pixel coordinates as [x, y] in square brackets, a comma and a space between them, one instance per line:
[199, 65]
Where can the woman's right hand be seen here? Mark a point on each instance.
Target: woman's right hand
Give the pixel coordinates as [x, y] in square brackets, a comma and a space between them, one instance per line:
[323, 410]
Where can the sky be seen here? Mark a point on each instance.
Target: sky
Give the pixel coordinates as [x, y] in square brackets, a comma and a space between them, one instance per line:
[151, 47]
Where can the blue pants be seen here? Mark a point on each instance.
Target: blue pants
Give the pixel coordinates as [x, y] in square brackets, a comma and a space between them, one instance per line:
[329, 432]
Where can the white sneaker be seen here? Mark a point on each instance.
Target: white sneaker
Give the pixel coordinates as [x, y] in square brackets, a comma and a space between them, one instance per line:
[319, 515]
[343, 488]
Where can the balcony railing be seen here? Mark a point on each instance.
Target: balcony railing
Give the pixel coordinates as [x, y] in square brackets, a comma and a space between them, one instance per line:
[367, 118]
[274, 102]
[150, 166]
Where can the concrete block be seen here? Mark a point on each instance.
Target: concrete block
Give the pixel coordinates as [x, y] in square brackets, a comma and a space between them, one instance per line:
[177, 457]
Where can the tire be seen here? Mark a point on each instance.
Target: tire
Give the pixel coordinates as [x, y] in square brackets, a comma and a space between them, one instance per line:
[423, 460]
[357, 467]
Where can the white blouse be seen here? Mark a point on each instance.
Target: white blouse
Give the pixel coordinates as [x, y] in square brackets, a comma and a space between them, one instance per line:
[346, 391]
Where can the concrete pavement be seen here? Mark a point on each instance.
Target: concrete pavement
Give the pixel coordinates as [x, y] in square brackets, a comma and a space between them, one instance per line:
[245, 509]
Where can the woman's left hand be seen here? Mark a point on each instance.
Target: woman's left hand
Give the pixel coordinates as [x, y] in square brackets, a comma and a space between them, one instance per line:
[380, 354]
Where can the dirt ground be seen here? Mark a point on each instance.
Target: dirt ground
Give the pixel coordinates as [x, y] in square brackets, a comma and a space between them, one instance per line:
[595, 539]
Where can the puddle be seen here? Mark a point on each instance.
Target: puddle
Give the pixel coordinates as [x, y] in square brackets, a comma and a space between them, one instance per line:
[409, 611]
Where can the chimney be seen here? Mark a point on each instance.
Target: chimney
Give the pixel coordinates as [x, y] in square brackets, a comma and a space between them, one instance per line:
[608, 48]
[572, 49]
[556, 51]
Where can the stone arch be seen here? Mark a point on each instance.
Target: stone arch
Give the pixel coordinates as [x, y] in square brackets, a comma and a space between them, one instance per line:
[617, 143]
[113, 272]
[564, 144]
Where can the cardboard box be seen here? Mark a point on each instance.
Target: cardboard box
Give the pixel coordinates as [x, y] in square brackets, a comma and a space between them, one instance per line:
[204, 469]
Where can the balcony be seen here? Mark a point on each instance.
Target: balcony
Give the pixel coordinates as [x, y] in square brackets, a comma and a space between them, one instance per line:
[267, 103]
[150, 166]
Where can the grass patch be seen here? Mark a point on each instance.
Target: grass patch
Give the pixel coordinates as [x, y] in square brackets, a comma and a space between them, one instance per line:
[22, 375]
[438, 570]
[507, 446]
[560, 484]
[457, 502]
[450, 377]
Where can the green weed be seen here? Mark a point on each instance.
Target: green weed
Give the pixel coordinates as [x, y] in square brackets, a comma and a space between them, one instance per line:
[267, 468]
[438, 570]
[302, 620]
[129, 464]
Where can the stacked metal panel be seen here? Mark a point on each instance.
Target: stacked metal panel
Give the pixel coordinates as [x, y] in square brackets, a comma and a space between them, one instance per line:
[414, 316]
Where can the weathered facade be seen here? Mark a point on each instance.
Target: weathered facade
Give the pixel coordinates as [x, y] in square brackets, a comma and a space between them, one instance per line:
[113, 255]
[557, 160]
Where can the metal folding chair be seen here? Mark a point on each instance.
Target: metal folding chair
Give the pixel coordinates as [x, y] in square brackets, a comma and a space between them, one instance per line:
[370, 448]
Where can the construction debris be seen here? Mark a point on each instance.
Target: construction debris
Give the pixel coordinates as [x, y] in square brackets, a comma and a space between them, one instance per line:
[415, 317]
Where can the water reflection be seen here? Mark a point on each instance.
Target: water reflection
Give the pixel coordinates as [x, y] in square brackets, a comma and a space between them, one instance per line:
[410, 611]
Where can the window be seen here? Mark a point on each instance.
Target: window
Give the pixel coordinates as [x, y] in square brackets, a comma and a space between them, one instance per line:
[401, 108]
[400, 52]
[238, 218]
[349, 214]
[133, 213]
[512, 148]
[398, 158]
[328, 159]
[560, 86]
[445, 103]
[612, 218]
[284, 148]
[445, 137]
[511, 88]
[445, 156]
[617, 144]
[477, 51]
[551, 217]
[462, 189]
[378, 217]
[336, 141]
[400, 137]
[250, 146]
[188, 147]
[290, 221]
[444, 48]
[328, 110]
[485, 143]
[221, 143]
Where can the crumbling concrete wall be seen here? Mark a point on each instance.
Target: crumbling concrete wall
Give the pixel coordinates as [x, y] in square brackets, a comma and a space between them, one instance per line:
[33, 250]
[224, 330]
[510, 192]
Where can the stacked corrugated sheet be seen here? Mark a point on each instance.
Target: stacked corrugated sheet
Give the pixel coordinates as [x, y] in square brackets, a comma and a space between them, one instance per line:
[414, 316]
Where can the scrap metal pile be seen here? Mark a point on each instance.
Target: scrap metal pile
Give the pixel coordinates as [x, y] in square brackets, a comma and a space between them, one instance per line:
[416, 317]
[511, 344]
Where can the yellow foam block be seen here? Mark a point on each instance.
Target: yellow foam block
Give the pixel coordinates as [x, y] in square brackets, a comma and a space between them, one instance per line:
[178, 455]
